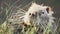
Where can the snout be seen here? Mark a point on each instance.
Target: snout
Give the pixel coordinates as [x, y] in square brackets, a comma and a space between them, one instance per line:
[33, 15]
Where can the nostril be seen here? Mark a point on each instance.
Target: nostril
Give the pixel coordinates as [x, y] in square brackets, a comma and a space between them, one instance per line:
[33, 15]
[29, 13]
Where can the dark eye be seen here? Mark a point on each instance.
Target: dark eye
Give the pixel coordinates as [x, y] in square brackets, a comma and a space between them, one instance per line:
[42, 12]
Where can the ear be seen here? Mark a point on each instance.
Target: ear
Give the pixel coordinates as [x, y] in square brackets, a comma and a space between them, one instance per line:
[47, 9]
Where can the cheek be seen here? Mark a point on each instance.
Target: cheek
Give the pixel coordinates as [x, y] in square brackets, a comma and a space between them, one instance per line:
[51, 12]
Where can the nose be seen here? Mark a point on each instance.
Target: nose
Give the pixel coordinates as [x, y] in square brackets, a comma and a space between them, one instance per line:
[33, 15]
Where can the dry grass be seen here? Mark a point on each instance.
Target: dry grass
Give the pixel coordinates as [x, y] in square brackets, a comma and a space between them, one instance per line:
[5, 28]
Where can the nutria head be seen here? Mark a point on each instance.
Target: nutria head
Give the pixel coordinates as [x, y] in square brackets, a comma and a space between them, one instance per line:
[38, 14]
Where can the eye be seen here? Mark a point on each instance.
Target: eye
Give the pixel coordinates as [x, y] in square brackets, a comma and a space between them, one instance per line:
[42, 12]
